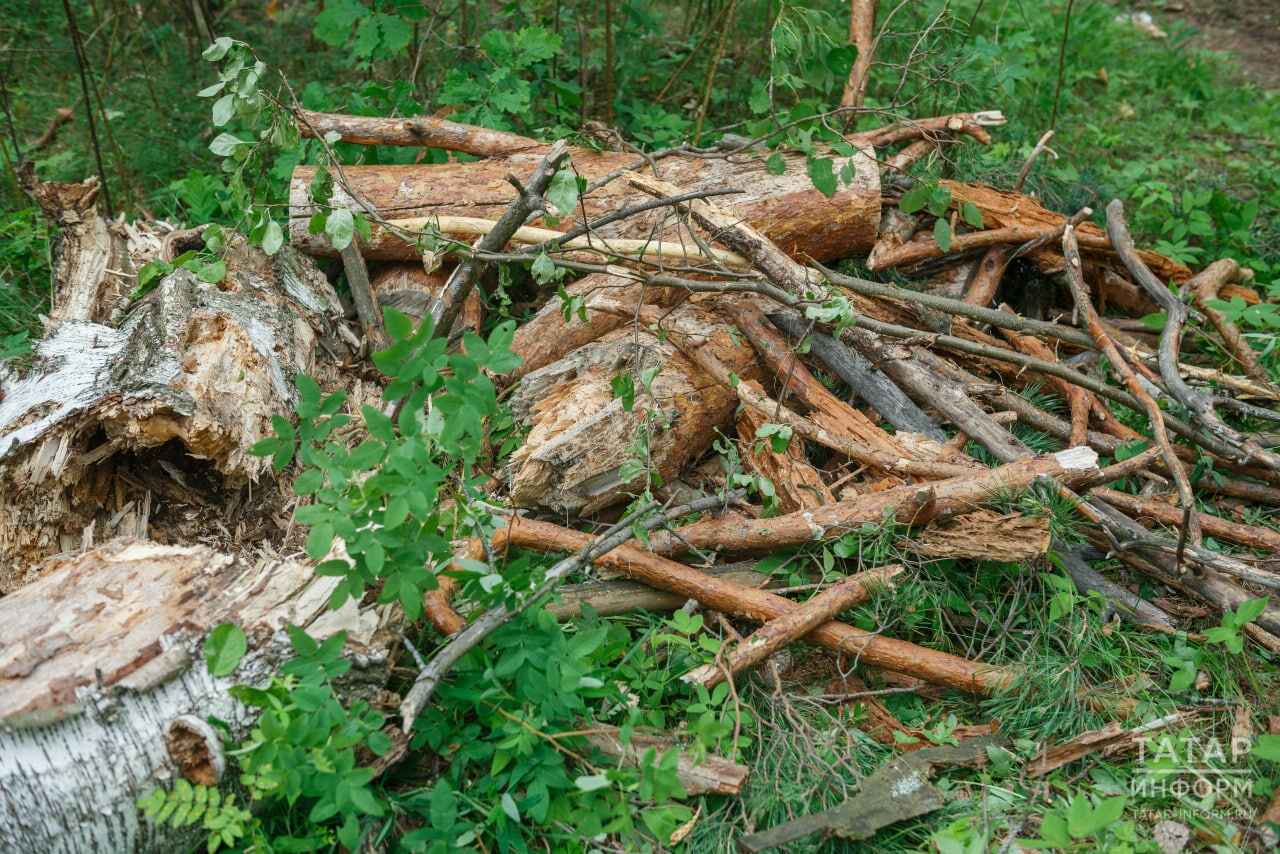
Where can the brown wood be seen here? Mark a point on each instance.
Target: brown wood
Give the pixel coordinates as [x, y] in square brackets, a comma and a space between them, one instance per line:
[906, 365]
[750, 393]
[417, 131]
[949, 497]
[826, 410]
[737, 600]
[984, 535]
[786, 207]
[775, 634]
[796, 483]
[1152, 509]
[985, 283]
[1005, 209]
[1207, 286]
[1080, 401]
[862, 30]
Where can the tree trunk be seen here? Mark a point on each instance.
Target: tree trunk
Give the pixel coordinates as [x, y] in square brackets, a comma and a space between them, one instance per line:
[142, 427]
[104, 693]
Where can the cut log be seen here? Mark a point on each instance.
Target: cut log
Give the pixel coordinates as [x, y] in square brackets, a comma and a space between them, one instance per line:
[582, 434]
[786, 207]
[100, 663]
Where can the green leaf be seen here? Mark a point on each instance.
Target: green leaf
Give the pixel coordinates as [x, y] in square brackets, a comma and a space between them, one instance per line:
[562, 193]
[823, 175]
[308, 482]
[218, 49]
[915, 199]
[1267, 747]
[939, 200]
[225, 648]
[225, 144]
[775, 165]
[336, 23]
[591, 782]
[224, 109]
[319, 539]
[942, 234]
[272, 237]
[399, 326]
[212, 273]
[509, 807]
[340, 227]
[971, 214]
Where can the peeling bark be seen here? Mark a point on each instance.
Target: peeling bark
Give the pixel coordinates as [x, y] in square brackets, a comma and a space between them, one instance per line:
[104, 693]
[582, 434]
[144, 427]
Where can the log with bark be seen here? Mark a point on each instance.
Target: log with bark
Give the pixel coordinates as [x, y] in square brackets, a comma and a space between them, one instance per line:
[105, 695]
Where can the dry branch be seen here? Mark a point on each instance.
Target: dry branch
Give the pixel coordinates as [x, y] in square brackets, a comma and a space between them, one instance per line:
[419, 131]
[760, 606]
[1079, 291]
[775, 634]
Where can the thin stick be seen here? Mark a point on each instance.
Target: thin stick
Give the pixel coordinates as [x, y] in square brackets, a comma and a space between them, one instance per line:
[1031, 158]
[81, 62]
[1062, 64]
[776, 634]
[1080, 292]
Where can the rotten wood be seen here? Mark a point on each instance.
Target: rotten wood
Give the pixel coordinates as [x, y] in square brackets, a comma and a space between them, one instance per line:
[104, 691]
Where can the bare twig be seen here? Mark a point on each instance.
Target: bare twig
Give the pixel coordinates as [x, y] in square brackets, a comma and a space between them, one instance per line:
[464, 277]
[1080, 292]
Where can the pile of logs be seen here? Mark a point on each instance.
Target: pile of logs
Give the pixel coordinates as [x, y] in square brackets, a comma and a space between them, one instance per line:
[133, 519]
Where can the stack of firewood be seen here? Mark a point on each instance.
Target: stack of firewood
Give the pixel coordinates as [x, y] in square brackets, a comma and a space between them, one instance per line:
[700, 271]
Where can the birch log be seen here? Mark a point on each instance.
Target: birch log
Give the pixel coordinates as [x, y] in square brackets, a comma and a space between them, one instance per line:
[104, 693]
[137, 416]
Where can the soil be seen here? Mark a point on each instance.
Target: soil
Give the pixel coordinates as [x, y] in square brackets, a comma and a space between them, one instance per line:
[1248, 29]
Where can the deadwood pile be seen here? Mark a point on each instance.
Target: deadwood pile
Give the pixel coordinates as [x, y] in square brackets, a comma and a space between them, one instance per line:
[133, 519]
